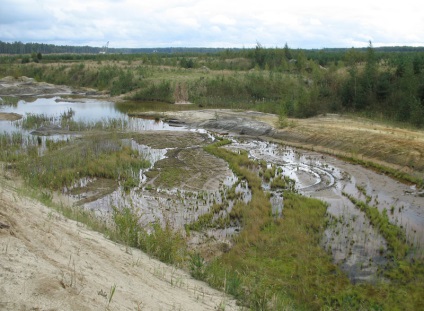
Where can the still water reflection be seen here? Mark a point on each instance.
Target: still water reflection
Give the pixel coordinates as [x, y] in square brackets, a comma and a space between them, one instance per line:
[84, 110]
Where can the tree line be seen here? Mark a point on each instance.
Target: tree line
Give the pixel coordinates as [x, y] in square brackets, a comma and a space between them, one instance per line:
[18, 47]
[386, 83]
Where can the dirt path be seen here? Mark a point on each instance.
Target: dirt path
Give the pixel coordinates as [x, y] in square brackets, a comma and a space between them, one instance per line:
[49, 262]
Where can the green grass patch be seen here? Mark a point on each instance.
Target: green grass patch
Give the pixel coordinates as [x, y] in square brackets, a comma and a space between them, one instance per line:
[279, 264]
[102, 156]
[162, 242]
[394, 235]
[392, 172]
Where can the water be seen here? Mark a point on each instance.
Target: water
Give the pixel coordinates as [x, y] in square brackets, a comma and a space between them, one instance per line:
[353, 242]
[85, 110]
[177, 206]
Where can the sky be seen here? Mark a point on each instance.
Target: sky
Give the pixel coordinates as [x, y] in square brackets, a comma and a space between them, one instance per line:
[214, 23]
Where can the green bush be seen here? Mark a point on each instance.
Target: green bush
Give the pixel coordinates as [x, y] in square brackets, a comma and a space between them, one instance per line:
[155, 92]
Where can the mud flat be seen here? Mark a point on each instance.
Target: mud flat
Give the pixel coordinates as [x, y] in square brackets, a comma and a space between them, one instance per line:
[351, 238]
[10, 116]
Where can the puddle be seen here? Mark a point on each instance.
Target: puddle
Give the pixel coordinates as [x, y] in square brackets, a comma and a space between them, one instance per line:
[173, 206]
[352, 241]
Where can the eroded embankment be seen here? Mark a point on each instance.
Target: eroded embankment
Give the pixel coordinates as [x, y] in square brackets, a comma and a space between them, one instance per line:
[364, 141]
[52, 263]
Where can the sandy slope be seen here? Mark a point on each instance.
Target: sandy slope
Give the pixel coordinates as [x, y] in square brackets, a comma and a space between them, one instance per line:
[48, 262]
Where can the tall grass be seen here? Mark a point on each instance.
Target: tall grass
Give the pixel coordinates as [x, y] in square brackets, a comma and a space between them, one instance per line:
[161, 242]
[15, 147]
[100, 156]
[162, 92]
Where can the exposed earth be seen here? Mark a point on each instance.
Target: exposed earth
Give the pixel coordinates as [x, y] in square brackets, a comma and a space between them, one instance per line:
[24, 86]
[49, 262]
[52, 263]
[402, 149]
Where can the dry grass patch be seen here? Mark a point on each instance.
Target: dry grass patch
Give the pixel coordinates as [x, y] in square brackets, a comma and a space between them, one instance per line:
[400, 149]
[9, 116]
[192, 169]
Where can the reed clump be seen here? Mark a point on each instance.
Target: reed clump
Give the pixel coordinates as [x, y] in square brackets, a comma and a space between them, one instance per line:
[99, 156]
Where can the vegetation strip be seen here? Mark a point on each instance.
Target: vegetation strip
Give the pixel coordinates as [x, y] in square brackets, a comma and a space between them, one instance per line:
[279, 264]
[394, 235]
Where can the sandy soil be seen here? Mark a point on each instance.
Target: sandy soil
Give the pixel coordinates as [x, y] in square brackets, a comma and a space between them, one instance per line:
[9, 116]
[52, 263]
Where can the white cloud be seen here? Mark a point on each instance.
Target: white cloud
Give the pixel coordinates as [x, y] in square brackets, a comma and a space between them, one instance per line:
[222, 20]
[133, 23]
[315, 22]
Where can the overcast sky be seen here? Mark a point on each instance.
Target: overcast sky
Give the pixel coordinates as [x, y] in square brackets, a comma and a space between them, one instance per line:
[215, 23]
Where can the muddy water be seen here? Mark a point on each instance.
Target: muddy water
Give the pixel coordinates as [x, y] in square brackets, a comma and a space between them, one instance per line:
[354, 243]
[350, 238]
[174, 206]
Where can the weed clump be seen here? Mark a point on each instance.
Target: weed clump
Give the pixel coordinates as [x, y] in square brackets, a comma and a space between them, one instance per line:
[161, 242]
[94, 156]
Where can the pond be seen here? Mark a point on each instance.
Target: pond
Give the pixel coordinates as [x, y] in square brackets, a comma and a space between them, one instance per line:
[84, 110]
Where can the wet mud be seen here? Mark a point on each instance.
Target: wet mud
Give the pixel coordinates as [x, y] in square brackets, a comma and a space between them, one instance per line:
[184, 182]
[352, 240]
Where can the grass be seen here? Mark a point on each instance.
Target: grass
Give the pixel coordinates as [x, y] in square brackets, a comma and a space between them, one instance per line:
[162, 242]
[279, 264]
[102, 156]
[172, 175]
[205, 220]
[32, 121]
[394, 235]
